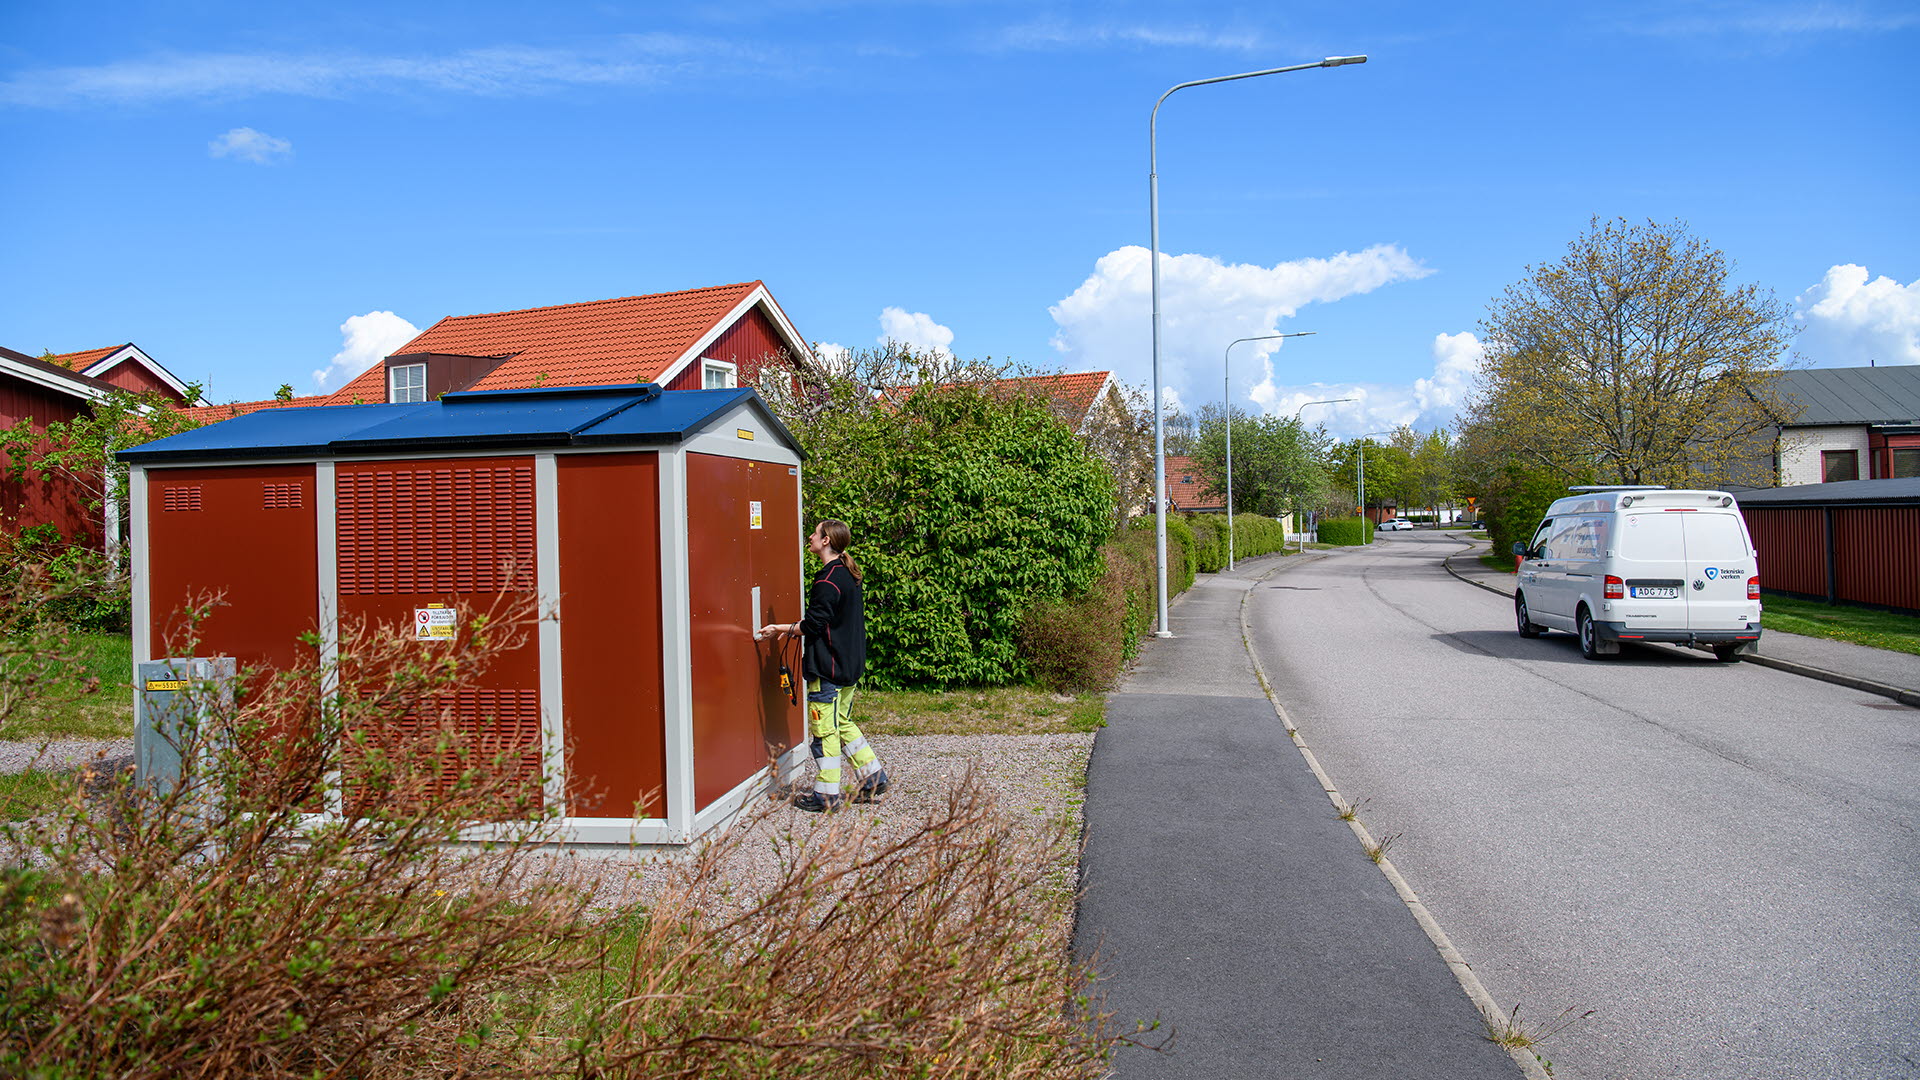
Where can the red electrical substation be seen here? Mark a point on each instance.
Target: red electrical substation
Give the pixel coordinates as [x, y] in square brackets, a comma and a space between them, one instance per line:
[658, 530]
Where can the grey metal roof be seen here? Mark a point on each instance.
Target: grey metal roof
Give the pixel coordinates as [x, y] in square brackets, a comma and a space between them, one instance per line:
[1900, 491]
[1854, 395]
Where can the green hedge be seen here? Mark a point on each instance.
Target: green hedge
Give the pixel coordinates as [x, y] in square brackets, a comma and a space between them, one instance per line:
[1254, 534]
[1347, 531]
[1083, 642]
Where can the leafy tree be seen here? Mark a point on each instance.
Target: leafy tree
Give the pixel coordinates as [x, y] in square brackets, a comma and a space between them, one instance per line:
[969, 501]
[1386, 465]
[1119, 431]
[1634, 358]
[1277, 463]
[1429, 480]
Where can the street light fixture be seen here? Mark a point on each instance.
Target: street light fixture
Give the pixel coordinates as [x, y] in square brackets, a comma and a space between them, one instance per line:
[1226, 364]
[1159, 391]
[1329, 401]
[1362, 446]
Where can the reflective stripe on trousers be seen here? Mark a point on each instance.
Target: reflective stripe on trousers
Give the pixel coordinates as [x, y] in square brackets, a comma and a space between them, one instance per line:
[830, 723]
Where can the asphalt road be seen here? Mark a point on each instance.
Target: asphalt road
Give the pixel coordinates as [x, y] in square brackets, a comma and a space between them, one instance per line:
[1722, 861]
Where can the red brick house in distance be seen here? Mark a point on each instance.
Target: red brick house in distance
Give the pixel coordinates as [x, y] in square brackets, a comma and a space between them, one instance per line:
[698, 338]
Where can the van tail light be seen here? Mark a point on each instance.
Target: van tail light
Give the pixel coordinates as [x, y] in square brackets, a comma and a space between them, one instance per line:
[1753, 588]
[1616, 589]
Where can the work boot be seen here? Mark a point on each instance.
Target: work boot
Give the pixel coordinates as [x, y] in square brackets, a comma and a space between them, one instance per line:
[872, 787]
[813, 802]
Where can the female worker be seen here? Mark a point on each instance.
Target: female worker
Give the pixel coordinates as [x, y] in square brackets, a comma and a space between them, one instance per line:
[834, 631]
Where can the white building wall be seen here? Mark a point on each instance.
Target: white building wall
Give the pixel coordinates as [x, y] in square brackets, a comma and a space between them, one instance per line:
[1800, 450]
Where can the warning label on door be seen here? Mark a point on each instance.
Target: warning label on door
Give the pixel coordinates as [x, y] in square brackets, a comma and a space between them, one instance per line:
[433, 624]
[753, 515]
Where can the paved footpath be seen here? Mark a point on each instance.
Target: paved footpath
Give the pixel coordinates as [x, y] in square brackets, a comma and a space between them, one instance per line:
[1225, 898]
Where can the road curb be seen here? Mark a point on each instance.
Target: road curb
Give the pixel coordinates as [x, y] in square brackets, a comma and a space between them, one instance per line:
[1806, 671]
[1463, 973]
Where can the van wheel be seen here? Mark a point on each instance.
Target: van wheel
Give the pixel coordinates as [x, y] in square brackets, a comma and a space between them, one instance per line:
[1726, 654]
[1526, 627]
[1590, 638]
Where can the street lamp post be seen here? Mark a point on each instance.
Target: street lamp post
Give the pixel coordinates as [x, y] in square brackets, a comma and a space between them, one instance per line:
[1363, 472]
[1296, 416]
[1226, 365]
[1159, 391]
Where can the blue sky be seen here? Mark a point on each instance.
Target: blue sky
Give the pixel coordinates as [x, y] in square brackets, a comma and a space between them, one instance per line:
[265, 194]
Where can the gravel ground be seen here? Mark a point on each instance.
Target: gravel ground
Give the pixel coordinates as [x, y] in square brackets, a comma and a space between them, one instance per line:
[1032, 778]
[18, 757]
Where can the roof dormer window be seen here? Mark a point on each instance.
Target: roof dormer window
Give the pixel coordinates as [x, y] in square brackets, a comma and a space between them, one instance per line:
[406, 383]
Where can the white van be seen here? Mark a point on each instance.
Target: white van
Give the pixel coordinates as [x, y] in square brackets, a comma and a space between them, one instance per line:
[1615, 564]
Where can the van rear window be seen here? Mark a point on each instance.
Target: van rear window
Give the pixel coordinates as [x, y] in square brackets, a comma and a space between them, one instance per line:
[1651, 537]
[1714, 537]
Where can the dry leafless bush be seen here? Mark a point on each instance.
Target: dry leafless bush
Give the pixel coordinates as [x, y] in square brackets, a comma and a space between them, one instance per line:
[220, 928]
[216, 929]
[938, 951]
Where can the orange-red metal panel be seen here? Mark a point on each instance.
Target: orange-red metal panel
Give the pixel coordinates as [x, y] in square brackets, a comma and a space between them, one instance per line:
[245, 532]
[1876, 552]
[740, 714]
[1792, 541]
[412, 534]
[610, 645]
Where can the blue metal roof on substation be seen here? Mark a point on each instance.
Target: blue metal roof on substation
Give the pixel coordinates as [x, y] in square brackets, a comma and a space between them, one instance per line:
[502, 419]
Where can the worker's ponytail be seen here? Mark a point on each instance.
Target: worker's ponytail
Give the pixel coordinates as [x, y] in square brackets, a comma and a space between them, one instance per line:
[839, 537]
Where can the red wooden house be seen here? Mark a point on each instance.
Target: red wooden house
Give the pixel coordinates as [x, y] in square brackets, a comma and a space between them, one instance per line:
[57, 389]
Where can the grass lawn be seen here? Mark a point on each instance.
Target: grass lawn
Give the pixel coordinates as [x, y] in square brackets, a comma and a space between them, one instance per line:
[1492, 561]
[22, 795]
[92, 700]
[1879, 629]
[997, 710]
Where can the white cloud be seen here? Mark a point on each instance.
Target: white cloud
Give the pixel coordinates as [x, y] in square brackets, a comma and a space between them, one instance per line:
[365, 341]
[1851, 321]
[1050, 34]
[250, 145]
[1427, 404]
[502, 71]
[916, 329]
[1204, 303]
[831, 356]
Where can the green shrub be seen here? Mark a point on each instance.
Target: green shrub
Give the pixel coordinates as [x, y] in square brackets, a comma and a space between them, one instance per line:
[80, 591]
[1256, 534]
[1346, 531]
[1209, 542]
[967, 508]
[1181, 567]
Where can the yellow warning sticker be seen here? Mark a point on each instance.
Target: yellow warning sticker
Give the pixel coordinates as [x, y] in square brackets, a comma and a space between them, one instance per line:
[744, 434]
[753, 515]
[434, 623]
[166, 684]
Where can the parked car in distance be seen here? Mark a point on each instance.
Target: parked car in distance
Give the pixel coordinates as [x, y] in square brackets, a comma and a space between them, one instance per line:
[1392, 524]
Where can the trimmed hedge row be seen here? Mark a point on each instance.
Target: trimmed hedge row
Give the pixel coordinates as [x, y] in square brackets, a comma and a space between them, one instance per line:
[1347, 531]
[1083, 642]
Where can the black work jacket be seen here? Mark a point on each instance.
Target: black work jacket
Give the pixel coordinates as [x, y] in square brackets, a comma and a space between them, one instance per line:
[834, 627]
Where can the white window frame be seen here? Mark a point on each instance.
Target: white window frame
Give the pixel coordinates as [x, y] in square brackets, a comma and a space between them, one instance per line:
[392, 376]
[729, 372]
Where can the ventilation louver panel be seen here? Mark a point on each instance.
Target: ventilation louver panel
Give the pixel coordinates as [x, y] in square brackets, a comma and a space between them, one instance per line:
[181, 498]
[495, 731]
[426, 529]
[280, 496]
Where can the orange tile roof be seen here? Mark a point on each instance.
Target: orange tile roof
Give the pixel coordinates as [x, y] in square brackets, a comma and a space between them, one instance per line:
[85, 358]
[1073, 394]
[1184, 484]
[624, 340]
[213, 414]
